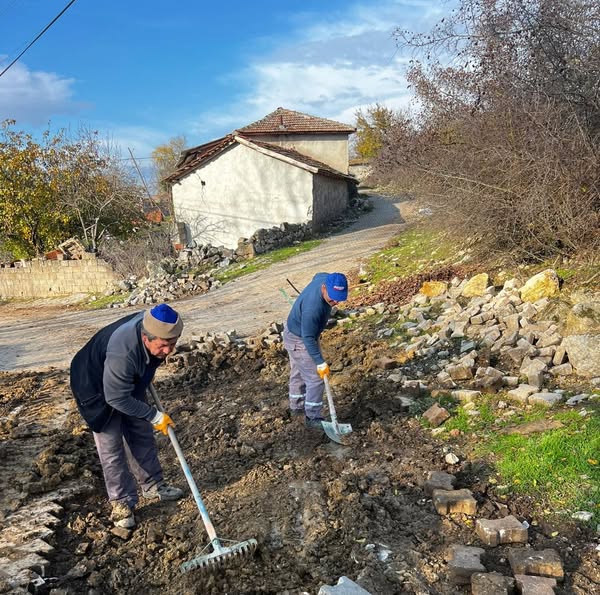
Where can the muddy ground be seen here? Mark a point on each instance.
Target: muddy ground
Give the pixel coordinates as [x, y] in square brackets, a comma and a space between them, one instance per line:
[318, 510]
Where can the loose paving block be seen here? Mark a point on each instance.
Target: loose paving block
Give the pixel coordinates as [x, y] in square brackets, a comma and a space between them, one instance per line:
[540, 563]
[545, 398]
[436, 415]
[495, 532]
[463, 562]
[465, 396]
[34, 546]
[439, 480]
[522, 392]
[13, 563]
[534, 585]
[455, 501]
[492, 583]
[344, 587]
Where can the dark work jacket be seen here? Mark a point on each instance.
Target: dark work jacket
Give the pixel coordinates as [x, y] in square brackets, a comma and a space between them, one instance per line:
[112, 372]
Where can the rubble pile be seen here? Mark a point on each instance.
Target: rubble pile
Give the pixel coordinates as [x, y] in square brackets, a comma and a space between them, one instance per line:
[467, 335]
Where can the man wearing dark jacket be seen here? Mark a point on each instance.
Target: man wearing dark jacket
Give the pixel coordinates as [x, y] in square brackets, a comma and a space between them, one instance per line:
[305, 323]
[109, 378]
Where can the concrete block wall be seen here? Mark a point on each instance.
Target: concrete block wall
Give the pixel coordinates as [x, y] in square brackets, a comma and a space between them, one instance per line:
[48, 278]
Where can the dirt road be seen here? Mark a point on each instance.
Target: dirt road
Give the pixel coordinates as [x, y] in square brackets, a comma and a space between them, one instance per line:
[31, 340]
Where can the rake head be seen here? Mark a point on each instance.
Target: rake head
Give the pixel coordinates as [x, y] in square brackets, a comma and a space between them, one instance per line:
[221, 556]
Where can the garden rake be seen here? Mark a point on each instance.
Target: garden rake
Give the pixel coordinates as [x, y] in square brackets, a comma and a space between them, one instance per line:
[221, 554]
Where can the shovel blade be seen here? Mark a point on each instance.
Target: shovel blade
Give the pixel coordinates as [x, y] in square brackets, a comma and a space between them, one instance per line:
[336, 432]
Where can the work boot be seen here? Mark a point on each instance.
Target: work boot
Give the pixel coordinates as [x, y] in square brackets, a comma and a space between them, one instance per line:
[122, 515]
[163, 492]
[296, 412]
[314, 423]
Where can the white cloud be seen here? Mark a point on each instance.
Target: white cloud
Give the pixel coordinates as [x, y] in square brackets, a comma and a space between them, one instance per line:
[329, 70]
[34, 97]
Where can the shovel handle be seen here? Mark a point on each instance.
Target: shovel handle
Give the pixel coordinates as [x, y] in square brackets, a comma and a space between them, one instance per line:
[329, 394]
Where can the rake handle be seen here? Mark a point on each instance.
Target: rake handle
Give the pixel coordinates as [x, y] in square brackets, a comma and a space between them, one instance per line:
[188, 475]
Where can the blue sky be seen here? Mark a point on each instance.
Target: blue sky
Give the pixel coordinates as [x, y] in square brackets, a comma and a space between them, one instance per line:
[142, 72]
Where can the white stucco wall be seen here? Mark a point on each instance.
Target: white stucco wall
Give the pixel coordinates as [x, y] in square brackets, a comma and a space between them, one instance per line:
[331, 149]
[243, 191]
[330, 198]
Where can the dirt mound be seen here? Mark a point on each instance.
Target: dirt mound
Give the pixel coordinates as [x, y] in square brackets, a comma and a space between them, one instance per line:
[318, 510]
[400, 291]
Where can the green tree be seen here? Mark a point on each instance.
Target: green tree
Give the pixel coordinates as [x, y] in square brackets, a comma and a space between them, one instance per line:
[32, 218]
[59, 187]
[371, 128]
[165, 158]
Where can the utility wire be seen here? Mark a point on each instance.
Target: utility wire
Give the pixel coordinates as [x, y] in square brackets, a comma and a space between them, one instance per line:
[40, 34]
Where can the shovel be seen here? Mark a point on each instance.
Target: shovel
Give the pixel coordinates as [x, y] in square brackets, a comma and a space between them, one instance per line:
[334, 430]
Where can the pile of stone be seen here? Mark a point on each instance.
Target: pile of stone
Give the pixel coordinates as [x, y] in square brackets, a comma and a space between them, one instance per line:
[454, 331]
[208, 352]
[191, 273]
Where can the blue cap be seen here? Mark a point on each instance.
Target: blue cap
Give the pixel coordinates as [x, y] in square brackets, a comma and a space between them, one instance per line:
[337, 286]
[164, 313]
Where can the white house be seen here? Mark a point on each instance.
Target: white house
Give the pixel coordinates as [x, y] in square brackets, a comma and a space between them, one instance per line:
[287, 167]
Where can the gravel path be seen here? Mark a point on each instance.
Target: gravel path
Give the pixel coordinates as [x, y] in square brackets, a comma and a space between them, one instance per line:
[33, 340]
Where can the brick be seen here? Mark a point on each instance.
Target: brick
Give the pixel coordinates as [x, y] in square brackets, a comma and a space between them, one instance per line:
[545, 398]
[538, 562]
[463, 562]
[15, 562]
[522, 392]
[455, 501]
[534, 585]
[436, 415]
[492, 583]
[495, 532]
[439, 480]
[466, 396]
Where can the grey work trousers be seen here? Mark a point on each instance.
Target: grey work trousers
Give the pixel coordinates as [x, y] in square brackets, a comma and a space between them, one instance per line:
[128, 452]
[306, 386]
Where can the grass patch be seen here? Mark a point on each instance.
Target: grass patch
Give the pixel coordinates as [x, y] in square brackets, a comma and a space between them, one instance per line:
[559, 467]
[263, 261]
[104, 301]
[415, 250]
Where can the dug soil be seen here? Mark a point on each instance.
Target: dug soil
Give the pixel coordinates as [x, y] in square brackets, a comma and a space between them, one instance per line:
[318, 510]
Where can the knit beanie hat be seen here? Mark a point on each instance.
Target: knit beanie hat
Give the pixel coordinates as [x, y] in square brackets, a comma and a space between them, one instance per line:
[162, 322]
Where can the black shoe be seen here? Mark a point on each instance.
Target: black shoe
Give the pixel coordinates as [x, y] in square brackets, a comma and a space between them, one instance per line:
[314, 424]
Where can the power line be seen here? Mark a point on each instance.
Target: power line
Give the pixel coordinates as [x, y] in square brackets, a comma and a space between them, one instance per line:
[40, 34]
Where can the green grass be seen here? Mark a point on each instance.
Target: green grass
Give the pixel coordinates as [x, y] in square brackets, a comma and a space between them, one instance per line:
[415, 250]
[263, 261]
[104, 301]
[559, 467]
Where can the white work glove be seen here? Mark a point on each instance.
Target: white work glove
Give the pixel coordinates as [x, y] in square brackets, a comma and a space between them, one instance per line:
[323, 370]
[161, 421]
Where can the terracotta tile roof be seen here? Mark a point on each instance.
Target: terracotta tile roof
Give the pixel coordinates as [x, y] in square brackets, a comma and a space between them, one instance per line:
[285, 121]
[192, 158]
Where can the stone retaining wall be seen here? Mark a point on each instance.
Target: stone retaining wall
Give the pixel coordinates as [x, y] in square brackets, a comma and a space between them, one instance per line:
[47, 278]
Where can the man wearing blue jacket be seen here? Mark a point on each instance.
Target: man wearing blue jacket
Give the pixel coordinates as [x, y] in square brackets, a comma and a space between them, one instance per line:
[109, 377]
[305, 323]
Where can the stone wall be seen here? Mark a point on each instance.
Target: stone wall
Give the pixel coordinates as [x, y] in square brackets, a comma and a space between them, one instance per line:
[47, 278]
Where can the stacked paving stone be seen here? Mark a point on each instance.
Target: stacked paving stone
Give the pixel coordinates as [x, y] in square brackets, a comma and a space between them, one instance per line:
[24, 541]
[535, 572]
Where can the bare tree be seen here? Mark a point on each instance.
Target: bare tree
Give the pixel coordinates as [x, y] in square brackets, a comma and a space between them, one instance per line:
[506, 142]
[98, 189]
